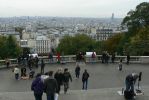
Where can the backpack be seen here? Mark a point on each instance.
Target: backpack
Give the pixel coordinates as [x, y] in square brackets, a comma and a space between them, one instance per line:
[129, 95]
[85, 76]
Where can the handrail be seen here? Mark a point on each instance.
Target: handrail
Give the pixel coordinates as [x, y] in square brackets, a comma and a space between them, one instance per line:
[88, 59]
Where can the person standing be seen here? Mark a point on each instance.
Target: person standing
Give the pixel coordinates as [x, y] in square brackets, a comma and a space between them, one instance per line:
[128, 58]
[16, 72]
[7, 62]
[58, 57]
[42, 66]
[66, 78]
[36, 61]
[50, 86]
[93, 57]
[37, 86]
[85, 77]
[77, 71]
[29, 63]
[113, 58]
[23, 72]
[120, 65]
[59, 78]
[51, 57]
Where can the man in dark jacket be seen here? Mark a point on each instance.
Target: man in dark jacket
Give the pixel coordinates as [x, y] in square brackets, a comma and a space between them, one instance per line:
[77, 71]
[130, 81]
[85, 77]
[59, 78]
[66, 78]
[128, 58]
[50, 86]
[37, 86]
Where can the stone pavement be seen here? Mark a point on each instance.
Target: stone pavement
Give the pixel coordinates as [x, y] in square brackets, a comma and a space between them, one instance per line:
[104, 82]
[91, 94]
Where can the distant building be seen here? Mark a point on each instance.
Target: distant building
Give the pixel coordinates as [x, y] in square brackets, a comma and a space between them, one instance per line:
[42, 45]
[104, 34]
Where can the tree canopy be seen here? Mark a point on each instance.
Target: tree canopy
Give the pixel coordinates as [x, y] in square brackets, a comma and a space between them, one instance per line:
[137, 18]
[80, 42]
[136, 39]
[9, 47]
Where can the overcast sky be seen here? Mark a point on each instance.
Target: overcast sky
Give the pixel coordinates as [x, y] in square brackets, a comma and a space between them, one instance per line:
[67, 8]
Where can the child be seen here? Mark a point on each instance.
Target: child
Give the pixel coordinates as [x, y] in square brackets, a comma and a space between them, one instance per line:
[120, 65]
[16, 72]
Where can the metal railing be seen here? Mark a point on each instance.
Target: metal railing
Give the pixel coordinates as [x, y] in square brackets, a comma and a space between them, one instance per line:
[88, 59]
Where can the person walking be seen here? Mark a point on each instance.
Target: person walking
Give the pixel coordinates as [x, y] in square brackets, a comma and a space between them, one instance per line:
[59, 78]
[77, 71]
[42, 66]
[66, 78]
[85, 77]
[50, 86]
[37, 86]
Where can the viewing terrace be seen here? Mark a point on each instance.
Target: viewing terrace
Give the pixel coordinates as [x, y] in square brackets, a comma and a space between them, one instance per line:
[104, 82]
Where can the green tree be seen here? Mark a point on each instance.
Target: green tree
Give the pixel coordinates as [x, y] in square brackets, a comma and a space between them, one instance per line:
[137, 18]
[139, 44]
[71, 45]
[112, 43]
[9, 47]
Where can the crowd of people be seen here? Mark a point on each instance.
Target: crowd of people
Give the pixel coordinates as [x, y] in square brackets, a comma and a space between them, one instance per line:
[50, 82]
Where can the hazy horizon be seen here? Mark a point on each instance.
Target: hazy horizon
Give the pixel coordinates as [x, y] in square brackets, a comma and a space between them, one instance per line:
[67, 8]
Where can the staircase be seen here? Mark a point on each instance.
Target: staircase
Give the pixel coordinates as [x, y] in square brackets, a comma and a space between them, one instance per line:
[91, 94]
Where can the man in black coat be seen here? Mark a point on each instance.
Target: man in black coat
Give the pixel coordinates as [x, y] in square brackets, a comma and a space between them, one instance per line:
[85, 77]
[66, 78]
[130, 81]
[77, 71]
[50, 86]
[59, 78]
[128, 58]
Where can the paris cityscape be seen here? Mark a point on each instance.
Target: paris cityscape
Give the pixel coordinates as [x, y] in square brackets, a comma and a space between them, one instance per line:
[74, 49]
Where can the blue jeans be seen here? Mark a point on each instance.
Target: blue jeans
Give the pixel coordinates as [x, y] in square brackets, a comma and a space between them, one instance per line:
[38, 96]
[85, 83]
[16, 76]
[50, 96]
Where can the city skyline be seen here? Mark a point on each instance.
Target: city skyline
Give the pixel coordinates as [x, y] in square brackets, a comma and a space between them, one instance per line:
[68, 8]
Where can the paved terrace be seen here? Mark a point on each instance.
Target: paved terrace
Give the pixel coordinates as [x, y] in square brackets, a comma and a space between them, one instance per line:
[104, 82]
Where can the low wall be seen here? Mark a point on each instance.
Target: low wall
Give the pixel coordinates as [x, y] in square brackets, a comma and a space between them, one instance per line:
[72, 59]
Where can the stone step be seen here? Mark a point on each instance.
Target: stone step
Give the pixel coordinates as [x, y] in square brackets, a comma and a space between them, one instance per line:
[91, 94]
